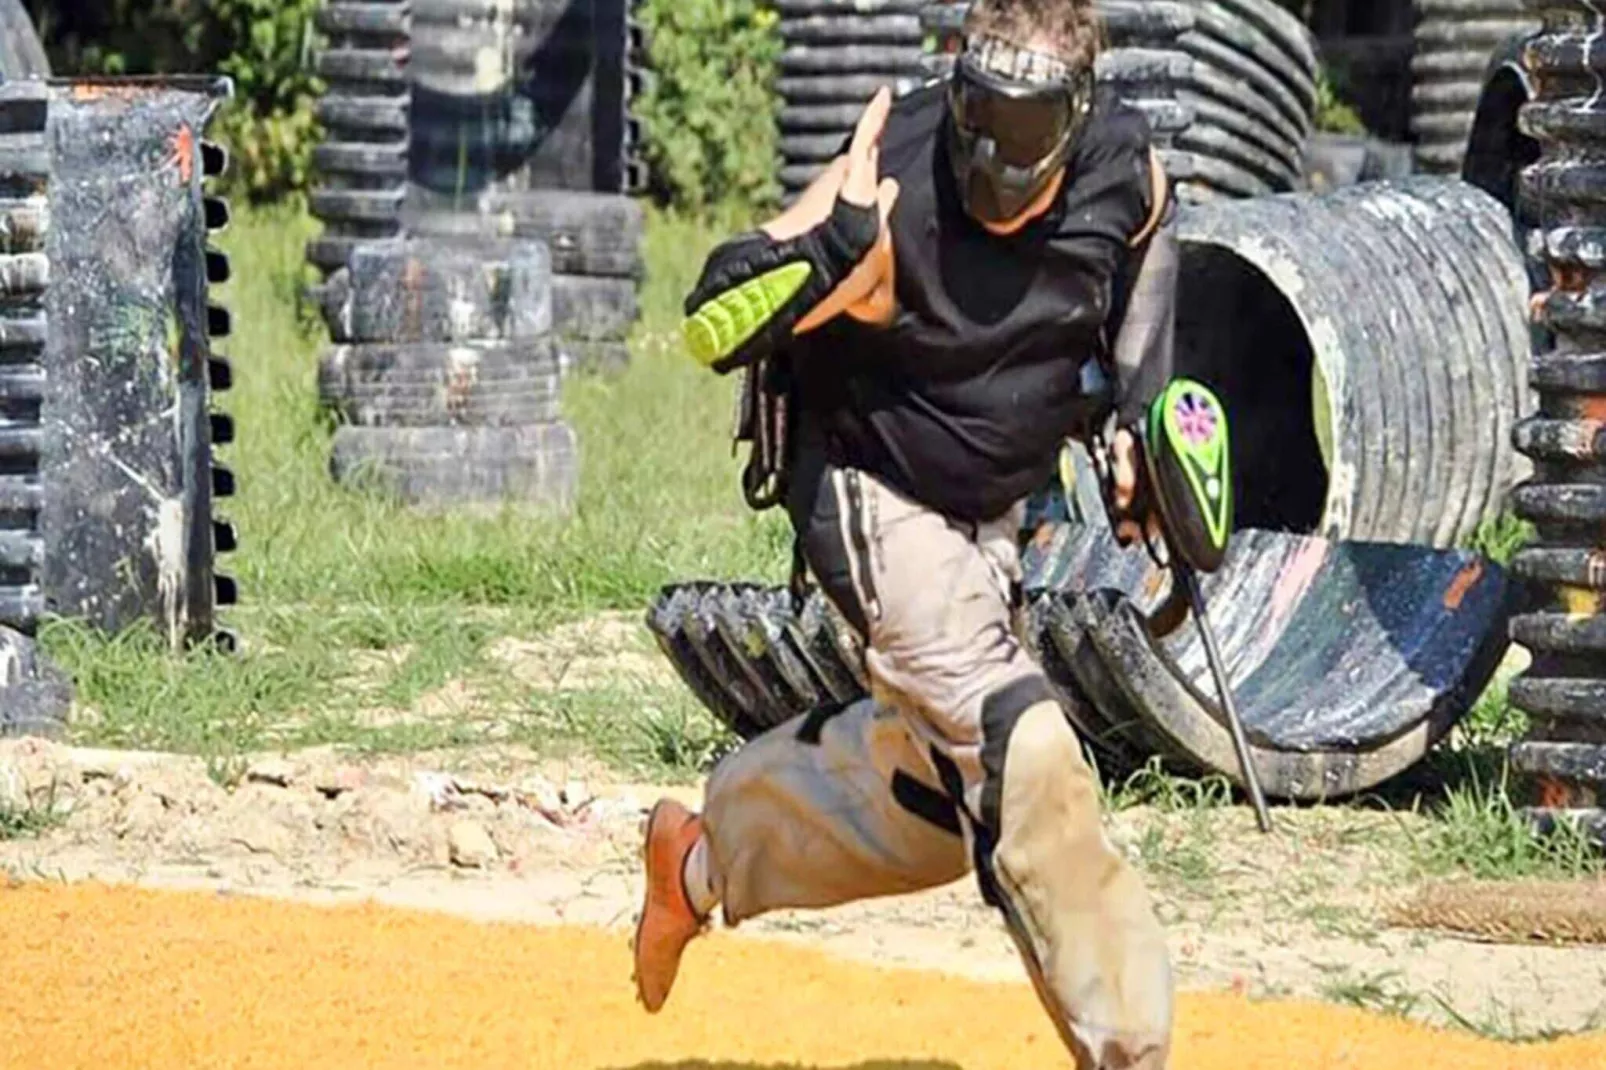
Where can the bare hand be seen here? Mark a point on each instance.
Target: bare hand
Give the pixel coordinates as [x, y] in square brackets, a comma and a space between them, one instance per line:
[852, 175]
[868, 293]
[860, 185]
[1124, 465]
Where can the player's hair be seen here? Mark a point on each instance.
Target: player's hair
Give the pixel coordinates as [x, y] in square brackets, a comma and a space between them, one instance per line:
[1069, 28]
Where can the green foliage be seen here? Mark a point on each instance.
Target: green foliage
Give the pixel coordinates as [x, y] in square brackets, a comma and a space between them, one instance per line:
[1499, 539]
[263, 45]
[709, 111]
[1334, 115]
[270, 151]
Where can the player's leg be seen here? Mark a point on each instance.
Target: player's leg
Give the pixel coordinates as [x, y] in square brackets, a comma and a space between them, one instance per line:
[997, 738]
[833, 806]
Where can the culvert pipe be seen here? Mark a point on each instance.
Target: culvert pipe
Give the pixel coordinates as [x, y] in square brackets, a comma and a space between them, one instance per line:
[1348, 660]
[360, 166]
[1355, 630]
[1371, 346]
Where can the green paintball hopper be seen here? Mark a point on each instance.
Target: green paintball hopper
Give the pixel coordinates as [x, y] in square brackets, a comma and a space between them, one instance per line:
[723, 325]
[1190, 471]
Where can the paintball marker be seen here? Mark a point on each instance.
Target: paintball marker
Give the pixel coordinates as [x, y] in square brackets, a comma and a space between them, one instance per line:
[1184, 479]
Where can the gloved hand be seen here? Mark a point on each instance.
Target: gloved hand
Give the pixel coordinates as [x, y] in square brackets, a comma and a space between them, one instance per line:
[867, 293]
[830, 252]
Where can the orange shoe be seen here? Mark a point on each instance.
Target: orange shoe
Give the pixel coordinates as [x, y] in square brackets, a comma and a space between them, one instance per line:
[668, 922]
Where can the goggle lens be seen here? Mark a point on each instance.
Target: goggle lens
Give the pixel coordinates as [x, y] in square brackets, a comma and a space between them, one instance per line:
[1025, 125]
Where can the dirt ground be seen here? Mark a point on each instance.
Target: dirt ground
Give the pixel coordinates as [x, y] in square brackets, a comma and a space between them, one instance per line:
[499, 834]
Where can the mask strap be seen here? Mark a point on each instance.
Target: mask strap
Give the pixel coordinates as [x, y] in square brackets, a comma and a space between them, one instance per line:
[1004, 59]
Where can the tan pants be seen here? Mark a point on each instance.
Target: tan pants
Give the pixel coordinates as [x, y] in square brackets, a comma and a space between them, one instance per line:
[963, 761]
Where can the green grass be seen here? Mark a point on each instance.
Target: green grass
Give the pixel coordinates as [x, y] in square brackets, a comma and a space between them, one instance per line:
[327, 572]
[1382, 992]
[1478, 831]
[27, 819]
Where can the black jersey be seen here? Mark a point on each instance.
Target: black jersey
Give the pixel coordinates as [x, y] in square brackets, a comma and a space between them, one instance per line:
[964, 400]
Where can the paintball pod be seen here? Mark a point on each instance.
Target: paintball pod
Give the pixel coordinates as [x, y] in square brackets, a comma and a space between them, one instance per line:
[1184, 481]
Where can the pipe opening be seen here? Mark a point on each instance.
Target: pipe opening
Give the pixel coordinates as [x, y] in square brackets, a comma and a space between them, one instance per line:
[1497, 150]
[1238, 334]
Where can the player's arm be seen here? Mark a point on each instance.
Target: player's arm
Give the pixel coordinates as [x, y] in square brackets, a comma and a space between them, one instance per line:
[1144, 334]
[828, 253]
[1142, 348]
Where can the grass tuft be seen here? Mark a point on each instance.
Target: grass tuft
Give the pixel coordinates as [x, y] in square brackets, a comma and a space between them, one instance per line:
[1480, 832]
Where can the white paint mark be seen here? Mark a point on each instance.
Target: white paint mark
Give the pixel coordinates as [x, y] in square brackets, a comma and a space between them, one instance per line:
[166, 545]
[460, 312]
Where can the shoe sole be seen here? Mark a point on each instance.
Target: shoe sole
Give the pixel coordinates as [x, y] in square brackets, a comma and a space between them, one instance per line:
[646, 896]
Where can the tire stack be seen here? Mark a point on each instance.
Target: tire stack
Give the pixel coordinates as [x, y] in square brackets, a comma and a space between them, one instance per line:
[594, 240]
[362, 163]
[1253, 92]
[597, 265]
[837, 54]
[34, 697]
[522, 94]
[1228, 85]
[1455, 40]
[1564, 690]
[446, 374]
[520, 129]
[25, 173]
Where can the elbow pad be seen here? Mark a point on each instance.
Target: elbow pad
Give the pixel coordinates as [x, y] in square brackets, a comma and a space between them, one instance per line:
[754, 290]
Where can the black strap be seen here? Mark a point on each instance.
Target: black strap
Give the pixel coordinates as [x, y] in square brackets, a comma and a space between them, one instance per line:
[765, 477]
[798, 582]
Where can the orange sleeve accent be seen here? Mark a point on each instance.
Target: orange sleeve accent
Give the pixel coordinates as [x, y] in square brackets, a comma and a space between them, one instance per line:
[868, 294]
[1159, 188]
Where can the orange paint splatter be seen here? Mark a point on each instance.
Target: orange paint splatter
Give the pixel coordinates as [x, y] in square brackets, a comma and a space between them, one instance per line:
[183, 143]
[1557, 794]
[1463, 582]
[1570, 277]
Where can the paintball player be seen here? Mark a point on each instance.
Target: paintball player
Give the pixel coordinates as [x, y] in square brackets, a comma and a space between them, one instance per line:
[940, 292]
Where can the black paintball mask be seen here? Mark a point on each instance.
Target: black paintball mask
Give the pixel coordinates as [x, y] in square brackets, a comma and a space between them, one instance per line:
[1014, 117]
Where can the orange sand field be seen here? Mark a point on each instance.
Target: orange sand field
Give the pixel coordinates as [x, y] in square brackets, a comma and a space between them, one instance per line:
[121, 977]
